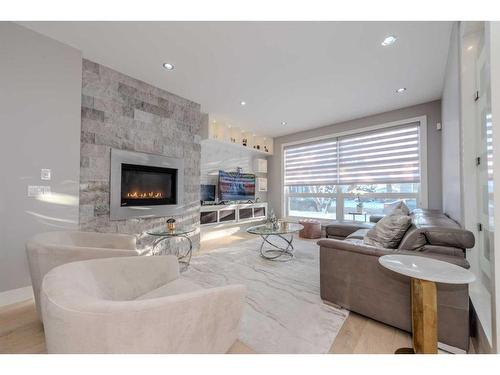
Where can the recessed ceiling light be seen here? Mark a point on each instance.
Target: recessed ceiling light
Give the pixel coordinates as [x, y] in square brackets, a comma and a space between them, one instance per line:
[283, 122]
[389, 41]
[402, 89]
[168, 66]
[470, 48]
[243, 103]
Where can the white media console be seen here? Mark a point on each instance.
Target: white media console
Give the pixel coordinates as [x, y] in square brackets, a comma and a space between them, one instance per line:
[232, 213]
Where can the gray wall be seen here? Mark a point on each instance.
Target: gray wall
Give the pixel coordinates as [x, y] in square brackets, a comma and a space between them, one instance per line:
[40, 90]
[451, 143]
[121, 112]
[433, 112]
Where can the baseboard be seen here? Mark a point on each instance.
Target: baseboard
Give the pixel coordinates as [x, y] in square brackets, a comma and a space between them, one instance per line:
[16, 295]
[479, 340]
[450, 349]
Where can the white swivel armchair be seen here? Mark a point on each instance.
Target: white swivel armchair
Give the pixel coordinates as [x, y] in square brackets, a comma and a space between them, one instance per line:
[48, 250]
[136, 305]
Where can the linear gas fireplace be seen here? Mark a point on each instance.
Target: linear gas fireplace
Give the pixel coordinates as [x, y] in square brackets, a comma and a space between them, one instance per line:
[144, 185]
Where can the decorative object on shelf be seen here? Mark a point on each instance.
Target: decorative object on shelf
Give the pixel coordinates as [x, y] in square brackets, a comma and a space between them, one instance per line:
[273, 220]
[171, 224]
[266, 149]
[244, 142]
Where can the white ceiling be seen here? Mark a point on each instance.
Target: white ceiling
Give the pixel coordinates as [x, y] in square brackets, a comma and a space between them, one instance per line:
[308, 74]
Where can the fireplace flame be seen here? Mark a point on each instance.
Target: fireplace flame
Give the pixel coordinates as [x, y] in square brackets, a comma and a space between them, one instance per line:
[146, 195]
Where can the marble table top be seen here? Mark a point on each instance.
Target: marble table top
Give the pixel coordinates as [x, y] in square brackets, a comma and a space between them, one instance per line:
[427, 269]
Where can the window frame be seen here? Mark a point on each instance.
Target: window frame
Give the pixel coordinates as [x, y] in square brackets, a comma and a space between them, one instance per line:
[421, 197]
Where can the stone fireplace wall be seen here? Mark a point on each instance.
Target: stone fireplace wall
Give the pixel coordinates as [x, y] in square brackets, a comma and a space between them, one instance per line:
[124, 113]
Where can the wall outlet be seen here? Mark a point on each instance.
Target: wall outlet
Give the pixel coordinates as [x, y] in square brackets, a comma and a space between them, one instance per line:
[36, 191]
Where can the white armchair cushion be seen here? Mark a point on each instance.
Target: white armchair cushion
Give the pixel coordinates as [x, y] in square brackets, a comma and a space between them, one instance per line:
[172, 288]
[126, 305]
[48, 250]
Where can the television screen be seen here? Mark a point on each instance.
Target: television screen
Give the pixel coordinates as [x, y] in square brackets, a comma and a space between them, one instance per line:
[207, 193]
[234, 186]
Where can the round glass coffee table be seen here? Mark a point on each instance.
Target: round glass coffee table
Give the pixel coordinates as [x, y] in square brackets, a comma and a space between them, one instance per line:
[184, 257]
[282, 247]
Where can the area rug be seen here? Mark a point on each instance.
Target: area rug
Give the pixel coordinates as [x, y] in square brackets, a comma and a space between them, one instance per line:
[284, 312]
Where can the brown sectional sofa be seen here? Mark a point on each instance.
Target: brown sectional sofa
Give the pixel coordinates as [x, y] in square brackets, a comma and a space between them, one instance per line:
[352, 277]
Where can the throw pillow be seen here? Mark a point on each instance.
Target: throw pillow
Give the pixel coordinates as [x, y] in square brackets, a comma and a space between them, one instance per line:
[400, 209]
[388, 232]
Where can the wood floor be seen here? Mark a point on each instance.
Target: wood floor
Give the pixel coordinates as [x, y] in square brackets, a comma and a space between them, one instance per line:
[21, 332]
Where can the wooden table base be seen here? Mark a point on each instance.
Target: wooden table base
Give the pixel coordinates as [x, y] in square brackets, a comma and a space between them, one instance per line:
[423, 317]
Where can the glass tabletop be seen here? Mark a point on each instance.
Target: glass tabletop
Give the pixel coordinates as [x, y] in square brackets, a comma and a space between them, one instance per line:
[284, 228]
[164, 232]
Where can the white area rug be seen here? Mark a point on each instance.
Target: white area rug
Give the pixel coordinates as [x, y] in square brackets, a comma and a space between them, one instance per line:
[284, 311]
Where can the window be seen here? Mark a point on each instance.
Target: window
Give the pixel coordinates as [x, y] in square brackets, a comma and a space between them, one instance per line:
[349, 176]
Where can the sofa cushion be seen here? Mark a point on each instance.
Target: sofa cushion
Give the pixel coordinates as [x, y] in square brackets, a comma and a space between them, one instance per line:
[359, 234]
[178, 286]
[414, 239]
[341, 230]
[400, 208]
[388, 232]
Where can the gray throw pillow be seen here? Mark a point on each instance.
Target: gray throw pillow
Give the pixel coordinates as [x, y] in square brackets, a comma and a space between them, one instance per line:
[388, 232]
[400, 209]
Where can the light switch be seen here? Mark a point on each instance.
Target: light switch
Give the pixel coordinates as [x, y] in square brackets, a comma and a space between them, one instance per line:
[45, 174]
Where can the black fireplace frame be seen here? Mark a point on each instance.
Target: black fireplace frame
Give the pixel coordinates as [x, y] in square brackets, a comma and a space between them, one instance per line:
[153, 208]
[138, 202]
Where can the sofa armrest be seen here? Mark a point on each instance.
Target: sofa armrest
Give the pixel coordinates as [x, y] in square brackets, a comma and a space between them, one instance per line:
[202, 321]
[452, 237]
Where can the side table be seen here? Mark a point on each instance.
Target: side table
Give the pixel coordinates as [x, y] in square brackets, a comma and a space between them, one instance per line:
[354, 214]
[182, 232]
[425, 273]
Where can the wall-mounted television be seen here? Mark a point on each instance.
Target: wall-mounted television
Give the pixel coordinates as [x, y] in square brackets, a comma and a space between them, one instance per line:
[207, 193]
[235, 186]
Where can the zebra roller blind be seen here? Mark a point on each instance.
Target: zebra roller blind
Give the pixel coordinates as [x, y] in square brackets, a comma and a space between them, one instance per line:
[312, 163]
[388, 155]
